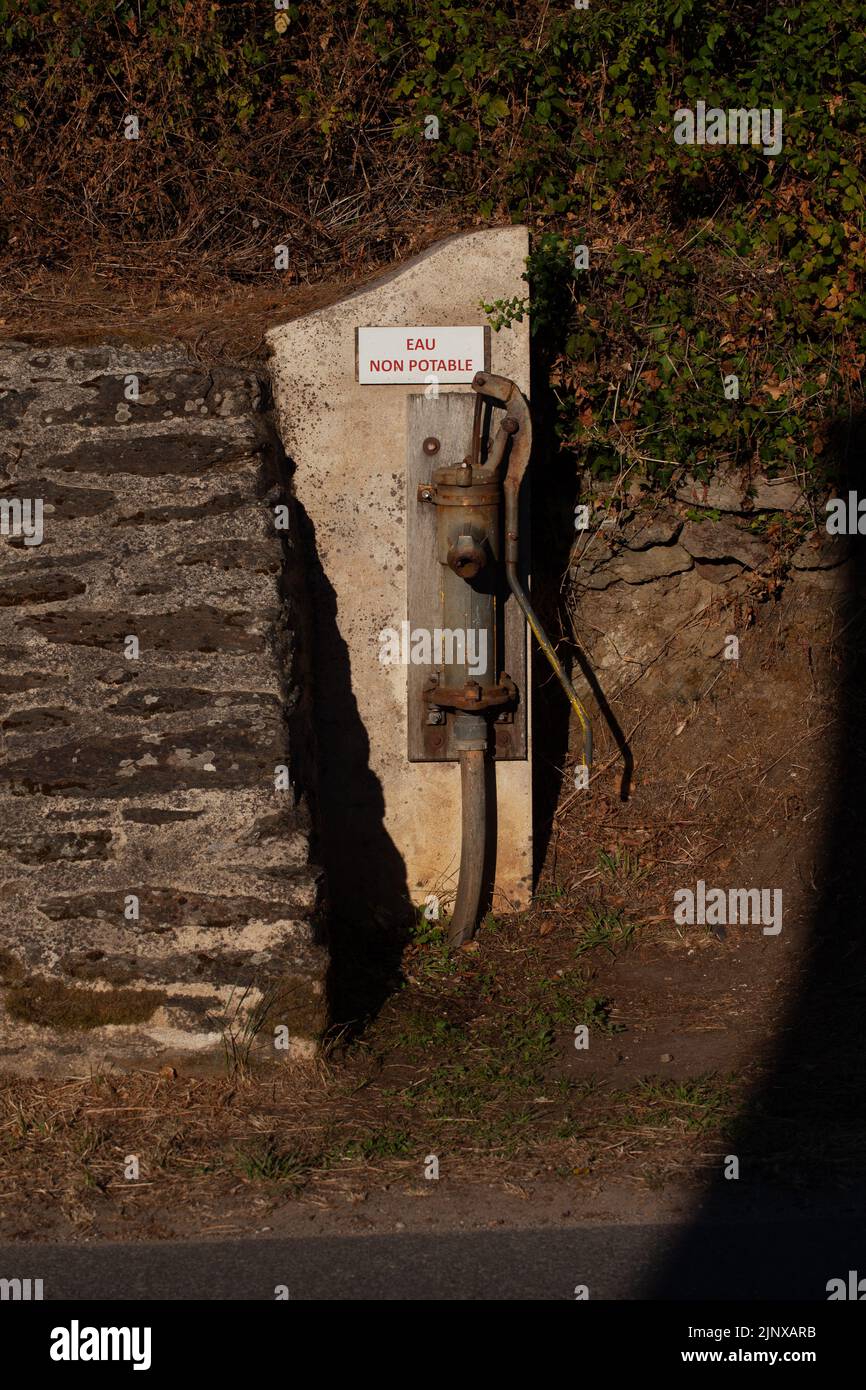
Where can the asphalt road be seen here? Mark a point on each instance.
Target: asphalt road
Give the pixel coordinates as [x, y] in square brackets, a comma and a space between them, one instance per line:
[779, 1259]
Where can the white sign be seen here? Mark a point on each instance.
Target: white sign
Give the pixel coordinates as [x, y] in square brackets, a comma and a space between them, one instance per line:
[417, 356]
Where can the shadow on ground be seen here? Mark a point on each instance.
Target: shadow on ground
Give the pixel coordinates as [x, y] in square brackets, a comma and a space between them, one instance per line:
[803, 1130]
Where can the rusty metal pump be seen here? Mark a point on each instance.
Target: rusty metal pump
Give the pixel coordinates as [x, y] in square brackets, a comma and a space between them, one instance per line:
[477, 503]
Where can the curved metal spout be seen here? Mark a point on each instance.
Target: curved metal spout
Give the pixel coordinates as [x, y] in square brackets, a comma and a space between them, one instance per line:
[518, 424]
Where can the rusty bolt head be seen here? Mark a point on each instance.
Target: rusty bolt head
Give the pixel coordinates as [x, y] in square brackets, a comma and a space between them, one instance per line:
[425, 493]
[430, 445]
[473, 690]
[510, 425]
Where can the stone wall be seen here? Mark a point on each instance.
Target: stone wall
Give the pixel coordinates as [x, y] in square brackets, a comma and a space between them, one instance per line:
[658, 588]
[157, 898]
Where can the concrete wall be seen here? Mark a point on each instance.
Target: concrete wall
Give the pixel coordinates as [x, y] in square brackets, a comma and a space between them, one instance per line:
[152, 777]
[391, 829]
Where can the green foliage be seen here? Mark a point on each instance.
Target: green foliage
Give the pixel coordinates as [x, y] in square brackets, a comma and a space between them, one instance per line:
[426, 932]
[620, 867]
[608, 929]
[268, 1163]
[504, 313]
[696, 1104]
[704, 261]
[388, 1143]
[596, 1014]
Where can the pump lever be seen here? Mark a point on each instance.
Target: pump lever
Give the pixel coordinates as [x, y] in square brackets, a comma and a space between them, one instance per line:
[518, 425]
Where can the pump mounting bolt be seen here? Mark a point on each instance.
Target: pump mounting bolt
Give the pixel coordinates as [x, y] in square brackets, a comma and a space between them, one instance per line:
[431, 444]
[425, 493]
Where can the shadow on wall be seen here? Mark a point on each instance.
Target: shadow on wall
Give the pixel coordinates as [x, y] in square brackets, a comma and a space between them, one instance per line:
[369, 910]
[367, 904]
[802, 1135]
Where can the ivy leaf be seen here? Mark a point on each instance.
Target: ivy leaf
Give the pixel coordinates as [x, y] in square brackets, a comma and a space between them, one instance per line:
[464, 139]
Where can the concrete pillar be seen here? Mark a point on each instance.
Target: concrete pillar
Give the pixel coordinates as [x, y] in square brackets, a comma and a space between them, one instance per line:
[391, 828]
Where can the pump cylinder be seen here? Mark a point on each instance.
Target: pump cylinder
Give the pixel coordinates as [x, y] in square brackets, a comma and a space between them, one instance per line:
[467, 520]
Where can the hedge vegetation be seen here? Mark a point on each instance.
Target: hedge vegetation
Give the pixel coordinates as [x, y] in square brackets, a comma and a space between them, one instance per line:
[305, 126]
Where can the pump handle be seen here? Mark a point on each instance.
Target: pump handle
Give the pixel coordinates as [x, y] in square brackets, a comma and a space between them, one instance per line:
[518, 426]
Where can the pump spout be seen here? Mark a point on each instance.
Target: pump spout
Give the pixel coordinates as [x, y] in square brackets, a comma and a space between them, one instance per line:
[471, 736]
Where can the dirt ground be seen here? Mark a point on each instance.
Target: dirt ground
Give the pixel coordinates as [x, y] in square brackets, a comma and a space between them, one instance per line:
[473, 1062]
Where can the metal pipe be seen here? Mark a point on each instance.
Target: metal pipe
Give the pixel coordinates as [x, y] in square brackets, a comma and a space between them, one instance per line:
[544, 643]
[518, 425]
[461, 543]
[471, 734]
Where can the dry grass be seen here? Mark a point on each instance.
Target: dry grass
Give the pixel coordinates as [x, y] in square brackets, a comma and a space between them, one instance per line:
[474, 1059]
[219, 321]
[208, 1149]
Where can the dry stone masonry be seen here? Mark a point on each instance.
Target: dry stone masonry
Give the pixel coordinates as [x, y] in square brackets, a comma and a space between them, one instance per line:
[656, 588]
[157, 896]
